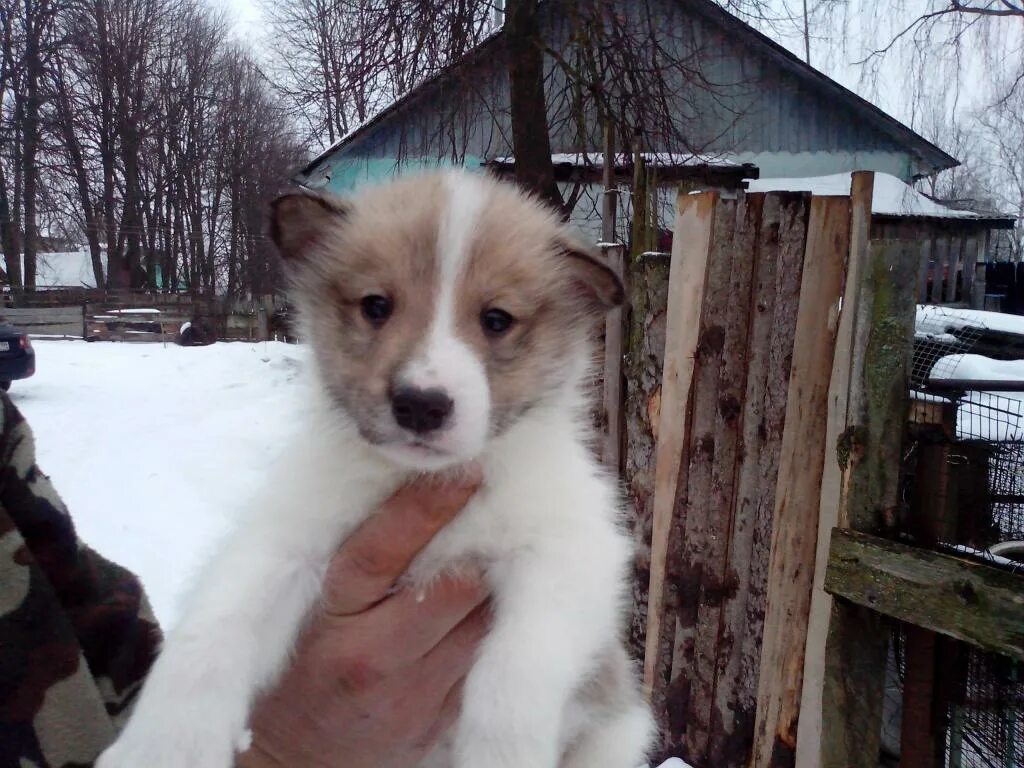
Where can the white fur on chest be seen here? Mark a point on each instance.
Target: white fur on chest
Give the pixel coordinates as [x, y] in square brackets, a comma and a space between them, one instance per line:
[541, 489]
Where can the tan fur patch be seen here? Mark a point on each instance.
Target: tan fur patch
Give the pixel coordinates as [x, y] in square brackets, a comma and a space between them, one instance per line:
[518, 264]
[386, 244]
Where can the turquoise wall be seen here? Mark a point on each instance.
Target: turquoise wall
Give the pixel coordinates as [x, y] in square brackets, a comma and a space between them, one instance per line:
[349, 173]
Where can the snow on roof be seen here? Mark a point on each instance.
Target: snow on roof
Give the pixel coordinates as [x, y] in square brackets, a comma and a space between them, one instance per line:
[66, 270]
[892, 197]
[659, 159]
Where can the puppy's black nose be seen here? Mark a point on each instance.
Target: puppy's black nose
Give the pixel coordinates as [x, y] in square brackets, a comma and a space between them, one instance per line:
[421, 410]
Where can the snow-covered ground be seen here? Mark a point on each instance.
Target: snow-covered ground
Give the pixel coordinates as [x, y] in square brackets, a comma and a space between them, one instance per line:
[152, 447]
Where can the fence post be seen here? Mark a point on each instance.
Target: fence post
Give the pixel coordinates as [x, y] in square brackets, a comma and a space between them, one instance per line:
[691, 247]
[808, 748]
[932, 519]
[869, 454]
[801, 464]
[611, 452]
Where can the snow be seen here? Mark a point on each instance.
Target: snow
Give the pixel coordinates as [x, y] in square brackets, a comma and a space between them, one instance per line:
[658, 159]
[891, 196]
[979, 368]
[154, 447]
[938, 319]
[984, 416]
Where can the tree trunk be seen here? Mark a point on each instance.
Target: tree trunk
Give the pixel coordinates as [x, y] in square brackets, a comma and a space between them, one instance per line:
[74, 152]
[9, 236]
[531, 143]
[33, 67]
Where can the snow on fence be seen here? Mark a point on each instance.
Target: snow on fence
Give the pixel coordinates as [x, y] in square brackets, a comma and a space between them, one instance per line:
[761, 440]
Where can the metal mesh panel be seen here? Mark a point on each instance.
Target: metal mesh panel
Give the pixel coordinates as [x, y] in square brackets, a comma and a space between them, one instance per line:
[985, 691]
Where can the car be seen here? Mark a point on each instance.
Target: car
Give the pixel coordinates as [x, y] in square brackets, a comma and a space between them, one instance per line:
[17, 357]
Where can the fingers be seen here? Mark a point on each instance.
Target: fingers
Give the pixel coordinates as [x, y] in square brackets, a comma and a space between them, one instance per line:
[378, 553]
[405, 627]
[447, 715]
[451, 659]
[445, 668]
[382, 650]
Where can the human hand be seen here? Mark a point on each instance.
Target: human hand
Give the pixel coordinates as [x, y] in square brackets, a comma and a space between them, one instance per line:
[376, 679]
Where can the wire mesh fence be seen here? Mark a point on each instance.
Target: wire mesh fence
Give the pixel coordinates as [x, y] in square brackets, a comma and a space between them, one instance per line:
[982, 692]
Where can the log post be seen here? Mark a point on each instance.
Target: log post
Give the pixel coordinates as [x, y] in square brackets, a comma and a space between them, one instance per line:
[932, 519]
[611, 448]
[794, 533]
[690, 254]
[869, 452]
[808, 748]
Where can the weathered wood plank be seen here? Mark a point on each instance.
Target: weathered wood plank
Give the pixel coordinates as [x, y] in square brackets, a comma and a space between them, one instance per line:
[928, 252]
[647, 286]
[808, 748]
[611, 444]
[955, 251]
[41, 315]
[966, 600]
[977, 298]
[869, 453]
[778, 264]
[940, 261]
[704, 496]
[794, 534]
[968, 267]
[690, 251]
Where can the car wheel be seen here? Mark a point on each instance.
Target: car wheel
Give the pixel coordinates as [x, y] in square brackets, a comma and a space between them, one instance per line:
[5, 385]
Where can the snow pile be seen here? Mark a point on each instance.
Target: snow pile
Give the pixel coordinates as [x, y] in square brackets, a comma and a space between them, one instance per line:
[153, 446]
[892, 197]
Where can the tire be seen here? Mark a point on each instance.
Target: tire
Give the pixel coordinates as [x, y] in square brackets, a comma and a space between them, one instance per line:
[5, 385]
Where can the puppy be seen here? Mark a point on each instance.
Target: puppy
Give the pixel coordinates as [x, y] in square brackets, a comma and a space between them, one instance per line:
[451, 320]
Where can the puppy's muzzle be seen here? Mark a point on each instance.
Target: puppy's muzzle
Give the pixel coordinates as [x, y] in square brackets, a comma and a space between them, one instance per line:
[421, 410]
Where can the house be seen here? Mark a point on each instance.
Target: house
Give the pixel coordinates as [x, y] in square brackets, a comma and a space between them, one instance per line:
[767, 108]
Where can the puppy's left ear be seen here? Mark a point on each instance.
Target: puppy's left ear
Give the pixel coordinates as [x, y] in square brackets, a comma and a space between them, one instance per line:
[592, 277]
[299, 220]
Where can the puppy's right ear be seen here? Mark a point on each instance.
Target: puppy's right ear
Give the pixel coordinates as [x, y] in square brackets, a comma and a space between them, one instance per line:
[298, 220]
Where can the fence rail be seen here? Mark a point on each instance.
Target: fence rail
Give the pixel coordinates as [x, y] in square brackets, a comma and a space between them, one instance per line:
[130, 316]
[64, 322]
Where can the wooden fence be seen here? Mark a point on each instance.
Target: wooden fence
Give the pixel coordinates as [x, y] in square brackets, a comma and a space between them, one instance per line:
[59, 322]
[765, 374]
[140, 317]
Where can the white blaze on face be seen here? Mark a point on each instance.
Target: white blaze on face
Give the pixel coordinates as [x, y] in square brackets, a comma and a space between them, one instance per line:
[446, 362]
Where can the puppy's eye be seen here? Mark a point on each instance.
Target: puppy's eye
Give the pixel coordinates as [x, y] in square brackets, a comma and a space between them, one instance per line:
[496, 322]
[377, 309]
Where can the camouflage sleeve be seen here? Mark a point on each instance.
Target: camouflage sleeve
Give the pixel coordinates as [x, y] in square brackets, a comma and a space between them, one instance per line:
[76, 633]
